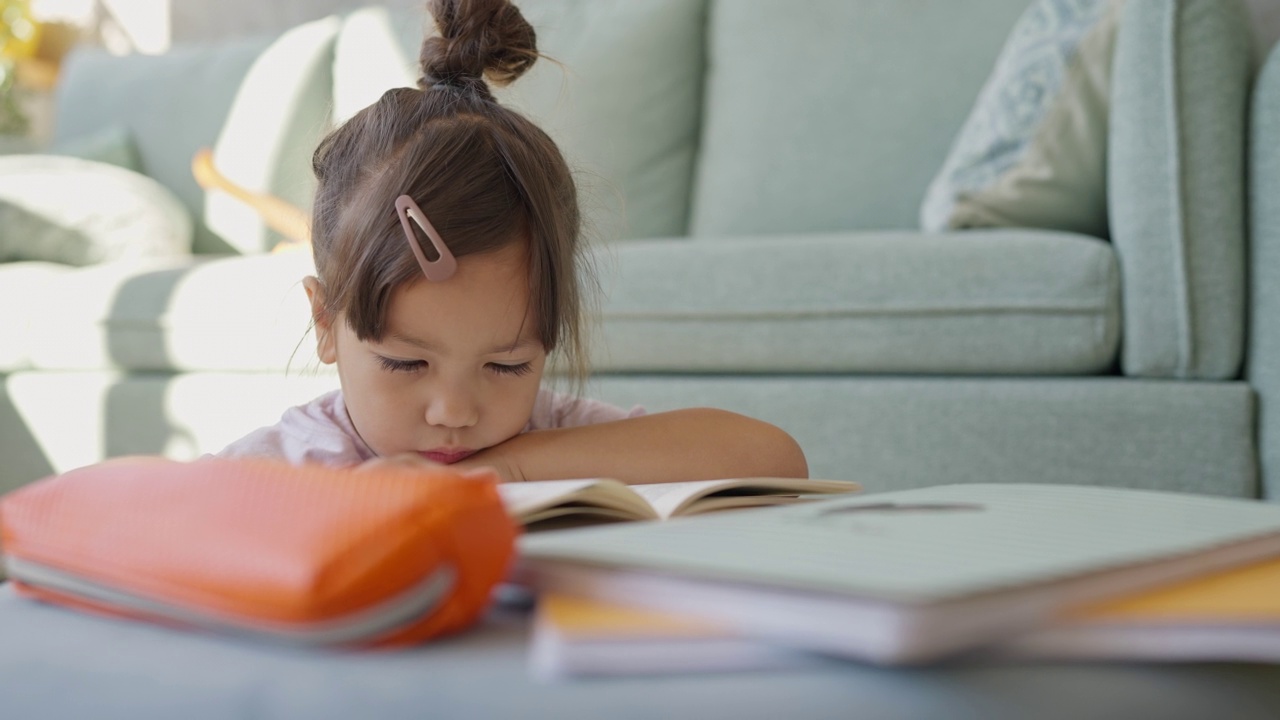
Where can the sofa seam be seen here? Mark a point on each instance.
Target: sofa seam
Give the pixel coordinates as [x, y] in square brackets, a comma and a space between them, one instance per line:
[812, 314]
[1183, 359]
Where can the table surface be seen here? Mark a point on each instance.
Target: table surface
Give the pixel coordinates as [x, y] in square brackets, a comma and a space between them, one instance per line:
[58, 663]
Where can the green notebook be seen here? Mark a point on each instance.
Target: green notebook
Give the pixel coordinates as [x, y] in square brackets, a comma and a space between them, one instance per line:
[906, 576]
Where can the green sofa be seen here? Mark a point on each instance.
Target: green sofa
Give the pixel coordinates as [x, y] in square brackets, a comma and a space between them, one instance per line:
[753, 174]
[754, 170]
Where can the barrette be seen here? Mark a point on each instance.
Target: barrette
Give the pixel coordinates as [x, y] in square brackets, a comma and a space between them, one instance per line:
[444, 265]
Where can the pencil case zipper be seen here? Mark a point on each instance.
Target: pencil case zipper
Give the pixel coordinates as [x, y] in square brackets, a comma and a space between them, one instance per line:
[364, 625]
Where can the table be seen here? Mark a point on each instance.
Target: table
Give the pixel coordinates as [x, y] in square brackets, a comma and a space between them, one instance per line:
[57, 663]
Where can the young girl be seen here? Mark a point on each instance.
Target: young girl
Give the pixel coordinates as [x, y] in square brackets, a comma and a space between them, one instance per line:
[446, 235]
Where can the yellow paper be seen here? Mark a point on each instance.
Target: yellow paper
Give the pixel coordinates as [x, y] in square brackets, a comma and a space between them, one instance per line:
[1244, 594]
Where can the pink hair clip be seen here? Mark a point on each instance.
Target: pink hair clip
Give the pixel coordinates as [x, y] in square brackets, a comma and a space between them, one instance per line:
[443, 267]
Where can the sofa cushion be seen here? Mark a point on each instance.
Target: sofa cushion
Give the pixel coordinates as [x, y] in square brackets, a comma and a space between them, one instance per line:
[893, 433]
[889, 433]
[1033, 152]
[1176, 185]
[79, 212]
[836, 116]
[991, 302]
[23, 286]
[620, 95]
[75, 418]
[244, 313]
[895, 302]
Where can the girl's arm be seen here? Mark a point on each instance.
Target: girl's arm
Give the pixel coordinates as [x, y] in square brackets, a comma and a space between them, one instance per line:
[695, 444]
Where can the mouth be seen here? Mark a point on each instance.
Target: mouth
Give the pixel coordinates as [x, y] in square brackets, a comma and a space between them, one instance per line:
[447, 457]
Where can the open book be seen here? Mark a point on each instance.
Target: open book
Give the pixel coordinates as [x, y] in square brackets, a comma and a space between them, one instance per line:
[599, 499]
[907, 576]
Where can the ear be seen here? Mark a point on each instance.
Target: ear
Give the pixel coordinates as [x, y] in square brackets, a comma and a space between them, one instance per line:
[326, 348]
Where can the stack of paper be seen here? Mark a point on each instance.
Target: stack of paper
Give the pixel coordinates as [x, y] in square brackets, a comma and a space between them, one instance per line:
[908, 576]
[577, 637]
[1231, 616]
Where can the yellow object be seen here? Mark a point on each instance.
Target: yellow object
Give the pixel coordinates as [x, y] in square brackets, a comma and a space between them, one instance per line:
[1244, 594]
[287, 219]
[19, 30]
[582, 617]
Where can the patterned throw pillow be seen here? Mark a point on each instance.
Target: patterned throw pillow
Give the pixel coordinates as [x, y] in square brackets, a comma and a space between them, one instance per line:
[1033, 150]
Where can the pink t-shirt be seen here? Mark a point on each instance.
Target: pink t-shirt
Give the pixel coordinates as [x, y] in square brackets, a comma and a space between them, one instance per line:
[321, 431]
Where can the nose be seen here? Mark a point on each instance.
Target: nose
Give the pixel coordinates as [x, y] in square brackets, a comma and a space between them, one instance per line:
[452, 407]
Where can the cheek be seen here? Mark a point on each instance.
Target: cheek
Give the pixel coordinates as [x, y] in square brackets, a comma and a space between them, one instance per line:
[375, 400]
[518, 399]
[522, 399]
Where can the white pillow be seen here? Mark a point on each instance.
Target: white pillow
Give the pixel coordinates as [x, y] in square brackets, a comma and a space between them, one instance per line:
[81, 212]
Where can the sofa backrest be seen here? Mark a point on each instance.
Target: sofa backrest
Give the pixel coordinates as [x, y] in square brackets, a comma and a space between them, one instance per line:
[260, 103]
[1262, 364]
[620, 93]
[835, 114]
[170, 105]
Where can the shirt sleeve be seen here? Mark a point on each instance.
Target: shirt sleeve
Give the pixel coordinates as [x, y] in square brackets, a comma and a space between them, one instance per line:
[317, 432]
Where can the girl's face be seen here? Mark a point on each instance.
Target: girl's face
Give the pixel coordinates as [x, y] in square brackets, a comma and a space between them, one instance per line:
[457, 369]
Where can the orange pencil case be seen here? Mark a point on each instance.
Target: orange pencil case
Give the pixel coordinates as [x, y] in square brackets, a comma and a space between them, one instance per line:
[308, 555]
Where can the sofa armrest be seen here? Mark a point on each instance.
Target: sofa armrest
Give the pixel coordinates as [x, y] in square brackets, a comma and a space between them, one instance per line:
[1176, 185]
[1262, 361]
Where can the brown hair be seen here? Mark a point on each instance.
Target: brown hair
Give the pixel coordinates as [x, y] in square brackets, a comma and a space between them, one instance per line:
[485, 176]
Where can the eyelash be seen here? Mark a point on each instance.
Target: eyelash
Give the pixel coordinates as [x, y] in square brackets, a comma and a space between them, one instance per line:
[400, 365]
[516, 370]
[413, 365]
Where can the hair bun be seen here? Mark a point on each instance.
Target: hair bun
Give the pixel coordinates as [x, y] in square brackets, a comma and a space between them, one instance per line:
[477, 38]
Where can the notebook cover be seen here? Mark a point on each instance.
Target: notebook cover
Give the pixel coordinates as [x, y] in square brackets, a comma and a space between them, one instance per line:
[923, 546]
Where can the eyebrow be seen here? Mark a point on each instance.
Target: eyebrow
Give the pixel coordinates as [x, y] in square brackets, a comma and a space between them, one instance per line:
[433, 347]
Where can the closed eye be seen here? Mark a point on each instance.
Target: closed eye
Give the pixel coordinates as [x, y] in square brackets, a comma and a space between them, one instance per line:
[391, 365]
[520, 369]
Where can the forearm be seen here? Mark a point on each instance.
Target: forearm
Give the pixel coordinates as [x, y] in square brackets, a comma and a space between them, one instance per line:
[691, 444]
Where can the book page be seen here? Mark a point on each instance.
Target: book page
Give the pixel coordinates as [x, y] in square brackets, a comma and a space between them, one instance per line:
[688, 498]
[529, 502]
